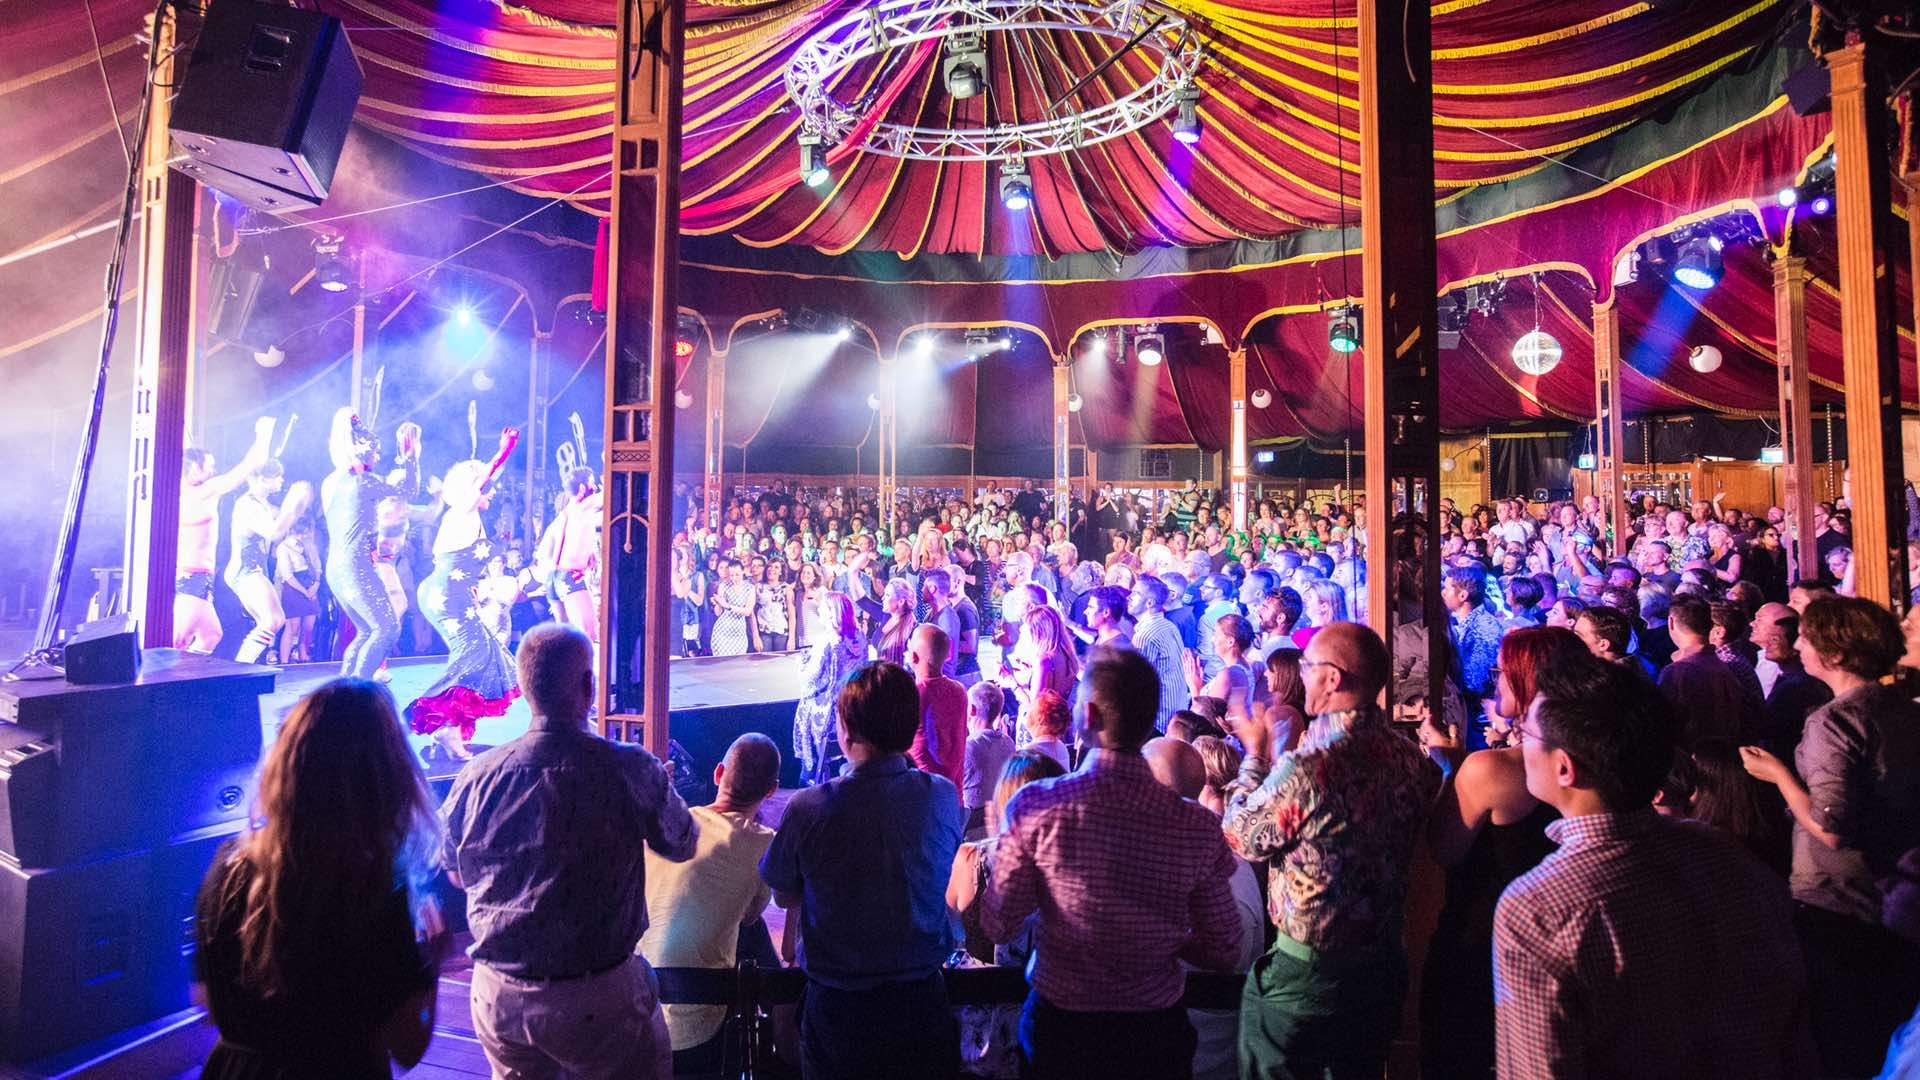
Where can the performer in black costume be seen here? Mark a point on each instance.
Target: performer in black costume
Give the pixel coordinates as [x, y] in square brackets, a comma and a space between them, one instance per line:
[479, 680]
[349, 497]
[257, 528]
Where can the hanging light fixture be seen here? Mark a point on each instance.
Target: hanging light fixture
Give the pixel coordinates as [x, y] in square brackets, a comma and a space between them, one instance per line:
[1186, 114]
[332, 268]
[1698, 264]
[1016, 190]
[682, 399]
[813, 160]
[1705, 359]
[1074, 404]
[1261, 398]
[1150, 349]
[1536, 353]
[1343, 329]
[965, 65]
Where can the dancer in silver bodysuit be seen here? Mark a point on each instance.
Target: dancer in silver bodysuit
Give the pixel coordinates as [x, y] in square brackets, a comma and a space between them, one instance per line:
[350, 497]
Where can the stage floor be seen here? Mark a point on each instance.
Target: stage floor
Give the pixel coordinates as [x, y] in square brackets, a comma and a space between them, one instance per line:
[714, 682]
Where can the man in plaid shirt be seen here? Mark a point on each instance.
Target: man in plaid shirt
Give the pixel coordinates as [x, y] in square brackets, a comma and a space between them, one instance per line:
[1643, 946]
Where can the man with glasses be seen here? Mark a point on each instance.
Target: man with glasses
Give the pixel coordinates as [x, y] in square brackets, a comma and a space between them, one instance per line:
[1643, 946]
[1337, 820]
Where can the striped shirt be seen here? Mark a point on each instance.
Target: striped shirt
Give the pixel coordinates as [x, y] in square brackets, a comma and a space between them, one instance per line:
[1158, 640]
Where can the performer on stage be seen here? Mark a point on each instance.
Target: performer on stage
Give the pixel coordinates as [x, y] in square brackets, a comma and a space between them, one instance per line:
[570, 550]
[479, 680]
[257, 529]
[349, 497]
[831, 658]
[195, 625]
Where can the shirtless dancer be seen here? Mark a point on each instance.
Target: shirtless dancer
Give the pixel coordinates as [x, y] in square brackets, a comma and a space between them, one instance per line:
[570, 548]
[258, 528]
[195, 625]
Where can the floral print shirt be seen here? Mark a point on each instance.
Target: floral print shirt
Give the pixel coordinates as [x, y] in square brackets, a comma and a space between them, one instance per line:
[1337, 820]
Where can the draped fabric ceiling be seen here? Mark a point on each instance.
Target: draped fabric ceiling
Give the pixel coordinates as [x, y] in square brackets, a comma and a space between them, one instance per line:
[1565, 133]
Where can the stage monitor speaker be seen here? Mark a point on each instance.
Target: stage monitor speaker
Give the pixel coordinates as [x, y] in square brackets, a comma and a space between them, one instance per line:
[104, 651]
[269, 95]
[1808, 90]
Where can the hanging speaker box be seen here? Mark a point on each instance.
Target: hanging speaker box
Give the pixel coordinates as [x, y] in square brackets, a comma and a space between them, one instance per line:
[269, 95]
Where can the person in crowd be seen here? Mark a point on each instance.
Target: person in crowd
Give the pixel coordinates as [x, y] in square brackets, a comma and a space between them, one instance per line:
[1523, 596]
[1725, 796]
[836, 651]
[1656, 640]
[1183, 770]
[1233, 681]
[1792, 694]
[1706, 693]
[773, 613]
[700, 911]
[1283, 708]
[1606, 633]
[1047, 724]
[988, 748]
[1106, 613]
[895, 622]
[734, 603]
[1642, 946]
[1118, 908]
[1336, 821]
[318, 950]
[973, 868]
[1476, 630]
[1324, 603]
[940, 744]
[861, 864]
[1159, 640]
[1044, 660]
[1486, 830]
[1900, 913]
[952, 611]
[1854, 793]
[1216, 595]
[547, 834]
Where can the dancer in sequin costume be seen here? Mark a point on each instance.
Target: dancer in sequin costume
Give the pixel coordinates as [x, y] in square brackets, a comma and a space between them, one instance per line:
[479, 680]
[348, 498]
[258, 526]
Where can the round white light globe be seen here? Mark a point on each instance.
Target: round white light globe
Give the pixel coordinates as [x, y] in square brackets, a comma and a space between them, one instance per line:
[482, 381]
[1261, 398]
[1705, 359]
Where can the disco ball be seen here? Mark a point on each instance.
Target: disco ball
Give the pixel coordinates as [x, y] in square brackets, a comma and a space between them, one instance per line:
[1705, 359]
[1536, 353]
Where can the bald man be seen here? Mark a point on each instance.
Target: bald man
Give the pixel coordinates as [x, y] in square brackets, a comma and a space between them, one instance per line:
[1176, 765]
[1327, 997]
[700, 911]
[940, 746]
[1791, 693]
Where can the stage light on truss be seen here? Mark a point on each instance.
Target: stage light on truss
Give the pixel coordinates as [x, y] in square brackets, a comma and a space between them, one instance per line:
[463, 315]
[1697, 264]
[332, 269]
[1150, 349]
[1821, 204]
[844, 333]
[922, 348]
[813, 160]
[965, 66]
[1097, 345]
[1016, 189]
[1074, 403]
[1186, 113]
[1343, 330]
[1787, 197]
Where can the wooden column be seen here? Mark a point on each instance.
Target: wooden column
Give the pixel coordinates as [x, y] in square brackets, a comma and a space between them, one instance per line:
[713, 473]
[1869, 343]
[642, 287]
[1402, 468]
[161, 370]
[1237, 446]
[1610, 408]
[1796, 414]
[357, 393]
[1062, 444]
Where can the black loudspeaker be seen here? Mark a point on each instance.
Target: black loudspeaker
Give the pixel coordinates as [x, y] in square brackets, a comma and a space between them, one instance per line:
[1809, 89]
[269, 95]
[104, 651]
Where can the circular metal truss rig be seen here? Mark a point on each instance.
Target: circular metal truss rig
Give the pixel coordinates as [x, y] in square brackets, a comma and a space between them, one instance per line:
[1163, 36]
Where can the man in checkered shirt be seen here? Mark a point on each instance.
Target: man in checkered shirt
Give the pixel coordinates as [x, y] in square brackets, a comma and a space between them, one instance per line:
[1644, 946]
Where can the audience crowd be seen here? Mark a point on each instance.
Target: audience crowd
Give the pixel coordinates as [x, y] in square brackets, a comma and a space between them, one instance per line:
[1669, 802]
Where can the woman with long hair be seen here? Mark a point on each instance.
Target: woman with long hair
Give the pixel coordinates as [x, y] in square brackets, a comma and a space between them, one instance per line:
[350, 497]
[896, 624]
[773, 610]
[1233, 683]
[479, 679]
[1486, 831]
[1285, 709]
[319, 952]
[1044, 659]
[810, 588]
[834, 655]
[1323, 603]
[1726, 797]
